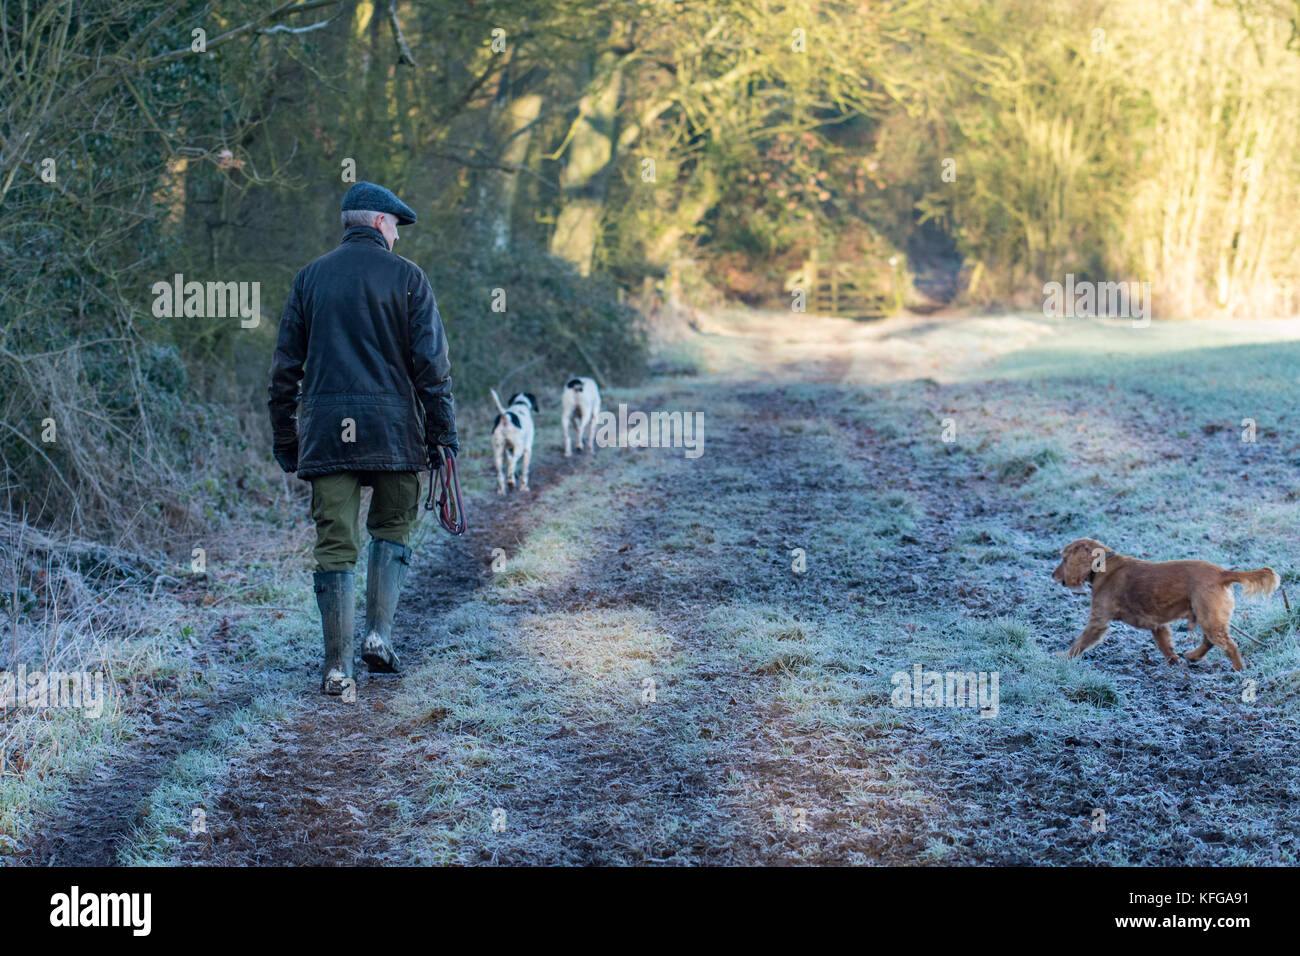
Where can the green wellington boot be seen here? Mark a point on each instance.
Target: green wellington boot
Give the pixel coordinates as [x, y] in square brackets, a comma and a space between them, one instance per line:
[337, 619]
[389, 562]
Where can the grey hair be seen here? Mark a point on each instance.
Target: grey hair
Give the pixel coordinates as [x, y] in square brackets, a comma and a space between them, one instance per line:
[361, 217]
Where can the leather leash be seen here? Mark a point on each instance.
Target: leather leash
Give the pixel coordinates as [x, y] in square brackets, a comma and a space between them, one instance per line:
[444, 494]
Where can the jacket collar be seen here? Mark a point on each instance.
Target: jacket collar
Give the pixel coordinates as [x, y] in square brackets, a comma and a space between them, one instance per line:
[364, 234]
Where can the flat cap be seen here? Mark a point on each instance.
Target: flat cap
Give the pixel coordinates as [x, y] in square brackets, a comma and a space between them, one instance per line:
[377, 199]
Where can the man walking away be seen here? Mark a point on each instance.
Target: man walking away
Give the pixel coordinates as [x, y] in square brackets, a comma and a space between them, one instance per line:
[362, 338]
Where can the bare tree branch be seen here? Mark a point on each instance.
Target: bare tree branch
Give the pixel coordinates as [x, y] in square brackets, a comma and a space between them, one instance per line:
[404, 57]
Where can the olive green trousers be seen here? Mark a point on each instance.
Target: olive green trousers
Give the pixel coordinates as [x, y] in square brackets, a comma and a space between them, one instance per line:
[336, 508]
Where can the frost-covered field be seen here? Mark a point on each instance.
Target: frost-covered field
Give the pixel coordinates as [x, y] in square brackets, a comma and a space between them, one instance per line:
[699, 660]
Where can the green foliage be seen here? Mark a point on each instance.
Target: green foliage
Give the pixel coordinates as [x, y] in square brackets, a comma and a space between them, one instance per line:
[1142, 140]
[556, 324]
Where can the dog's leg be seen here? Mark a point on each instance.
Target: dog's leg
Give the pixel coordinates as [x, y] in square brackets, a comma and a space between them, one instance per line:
[498, 447]
[1092, 634]
[511, 460]
[1218, 635]
[595, 413]
[1163, 636]
[582, 424]
[1200, 652]
[1214, 611]
[528, 457]
[568, 444]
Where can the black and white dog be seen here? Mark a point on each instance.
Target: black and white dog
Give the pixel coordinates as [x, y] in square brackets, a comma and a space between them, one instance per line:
[581, 401]
[513, 436]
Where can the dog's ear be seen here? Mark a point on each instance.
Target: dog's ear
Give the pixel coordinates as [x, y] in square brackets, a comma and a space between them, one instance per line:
[1077, 561]
[1080, 566]
[532, 398]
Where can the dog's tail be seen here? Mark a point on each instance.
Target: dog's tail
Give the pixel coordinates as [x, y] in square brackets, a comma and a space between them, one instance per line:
[1263, 581]
[497, 398]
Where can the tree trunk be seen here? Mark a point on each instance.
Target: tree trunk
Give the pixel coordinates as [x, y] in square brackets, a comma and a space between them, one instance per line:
[519, 114]
[591, 150]
[509, 131]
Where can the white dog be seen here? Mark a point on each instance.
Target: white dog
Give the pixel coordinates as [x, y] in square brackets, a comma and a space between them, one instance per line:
[513, 431]
[581, 400]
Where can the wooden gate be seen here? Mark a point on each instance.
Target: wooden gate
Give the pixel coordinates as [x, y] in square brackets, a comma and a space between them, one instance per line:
[868, 289]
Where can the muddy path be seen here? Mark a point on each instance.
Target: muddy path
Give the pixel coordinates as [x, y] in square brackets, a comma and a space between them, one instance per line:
[727, 763]
[329, 788]
[99, 811]
[312, 796]
[319, 748]
[97, 815]
[649, 683]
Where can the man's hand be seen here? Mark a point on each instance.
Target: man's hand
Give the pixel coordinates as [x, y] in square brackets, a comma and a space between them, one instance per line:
[436, 459]
[286, 453]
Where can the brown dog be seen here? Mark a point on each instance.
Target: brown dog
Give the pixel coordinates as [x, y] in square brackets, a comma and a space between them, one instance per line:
[1151, 594]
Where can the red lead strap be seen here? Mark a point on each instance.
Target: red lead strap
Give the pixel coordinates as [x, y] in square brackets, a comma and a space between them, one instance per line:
[444, 487]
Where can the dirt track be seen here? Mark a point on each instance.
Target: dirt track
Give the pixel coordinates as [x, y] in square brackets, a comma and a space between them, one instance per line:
[524, 699]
